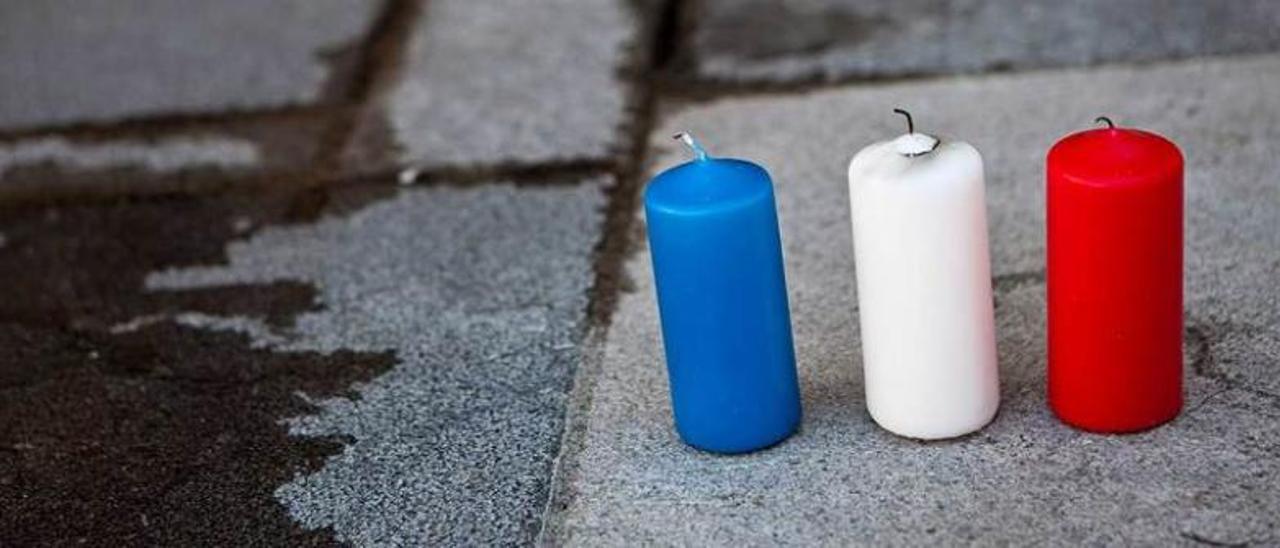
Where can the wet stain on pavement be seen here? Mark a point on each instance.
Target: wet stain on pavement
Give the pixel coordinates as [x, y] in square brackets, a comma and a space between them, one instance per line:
[164, 434]
[798, 31]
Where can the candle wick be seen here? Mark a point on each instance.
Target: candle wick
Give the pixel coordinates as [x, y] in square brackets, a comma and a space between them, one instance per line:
[1100, 119]
[693, 145]
[911, 125]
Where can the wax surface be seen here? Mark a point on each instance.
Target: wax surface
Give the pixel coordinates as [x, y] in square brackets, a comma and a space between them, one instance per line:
[924, 286]
[1115, 279]
[717, 263]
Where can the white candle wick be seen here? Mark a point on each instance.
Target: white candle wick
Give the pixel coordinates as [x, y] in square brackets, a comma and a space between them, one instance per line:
[693, 145]
[913, 144]
[911, 125]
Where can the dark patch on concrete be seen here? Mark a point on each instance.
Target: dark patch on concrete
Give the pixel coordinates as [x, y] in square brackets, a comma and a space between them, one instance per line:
[773, 45]
[672, 35]
[355, 65]
[1008, 282]
[1200, 348]
[83, 266]
[1200, 337]
[163, 435]
[380, 57]
[1005, 282]
[369, 146]
[743, 31]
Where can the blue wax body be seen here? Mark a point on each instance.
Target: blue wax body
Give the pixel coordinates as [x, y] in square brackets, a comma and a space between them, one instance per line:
[722, 296]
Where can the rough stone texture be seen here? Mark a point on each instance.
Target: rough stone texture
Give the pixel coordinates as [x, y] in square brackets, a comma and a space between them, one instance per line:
[1210, 476]
[167, 156]
[510, 81]
[481, 294]
[64, 61]
[789, 40]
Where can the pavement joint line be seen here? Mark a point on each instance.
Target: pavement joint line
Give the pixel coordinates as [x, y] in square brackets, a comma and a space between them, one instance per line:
[1015, 280]
[658, 43]
[378, 54]
[522, 176]
[161, 126]
[672, 48]
[379, 61]
[164, 188]
[646, 63]
[538, 174]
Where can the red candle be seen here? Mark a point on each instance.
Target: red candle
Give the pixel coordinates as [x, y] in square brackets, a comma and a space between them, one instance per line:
[1115, 279]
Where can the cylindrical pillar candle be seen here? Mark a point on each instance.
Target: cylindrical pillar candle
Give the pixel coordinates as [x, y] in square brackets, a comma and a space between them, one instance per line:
[924, 286]
[722, 297]
[1115, 279]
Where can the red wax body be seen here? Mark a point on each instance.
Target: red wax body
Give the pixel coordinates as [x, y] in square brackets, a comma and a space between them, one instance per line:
[1115, 279]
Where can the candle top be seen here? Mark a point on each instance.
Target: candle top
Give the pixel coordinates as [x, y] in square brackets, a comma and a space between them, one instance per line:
[1114, 156]
[915, 144]
[939, 164]
[707, 186]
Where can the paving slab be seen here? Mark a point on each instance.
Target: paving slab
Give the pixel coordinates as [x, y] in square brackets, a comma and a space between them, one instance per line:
[481, 296]
[66, 62]
[511, 82]
[1208, 476]
[767, 41]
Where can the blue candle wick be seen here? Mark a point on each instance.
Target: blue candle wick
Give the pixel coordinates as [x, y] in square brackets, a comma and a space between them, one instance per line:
[693, 145]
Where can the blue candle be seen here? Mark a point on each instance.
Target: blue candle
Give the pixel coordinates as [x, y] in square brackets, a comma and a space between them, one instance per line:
[722, 297]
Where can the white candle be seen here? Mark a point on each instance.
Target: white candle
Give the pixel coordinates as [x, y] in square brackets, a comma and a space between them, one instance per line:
[924, 286]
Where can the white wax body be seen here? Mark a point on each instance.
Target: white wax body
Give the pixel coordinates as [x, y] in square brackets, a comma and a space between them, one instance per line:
[924, 286]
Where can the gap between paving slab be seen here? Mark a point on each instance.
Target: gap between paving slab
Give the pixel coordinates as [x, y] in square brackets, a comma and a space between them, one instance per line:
[665, 29]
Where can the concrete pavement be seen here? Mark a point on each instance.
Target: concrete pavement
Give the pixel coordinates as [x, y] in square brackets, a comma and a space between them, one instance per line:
[374, 274]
